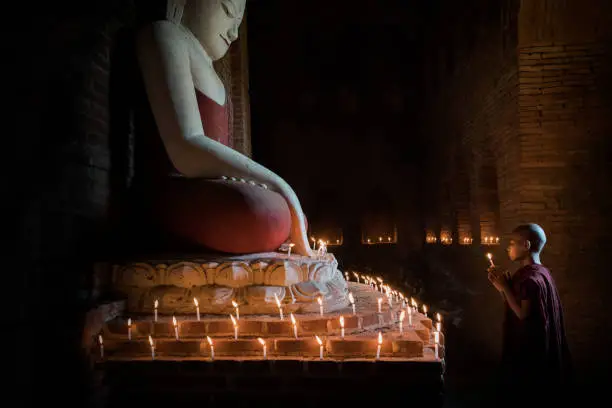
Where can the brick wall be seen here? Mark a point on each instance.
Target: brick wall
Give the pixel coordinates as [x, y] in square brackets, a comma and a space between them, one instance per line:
[527, 91]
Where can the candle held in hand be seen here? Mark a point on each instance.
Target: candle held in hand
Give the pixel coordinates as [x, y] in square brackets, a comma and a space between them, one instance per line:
[490, 256]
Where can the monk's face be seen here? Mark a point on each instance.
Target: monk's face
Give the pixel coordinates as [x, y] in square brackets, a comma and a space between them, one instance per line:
[518, 248]
[215, 23]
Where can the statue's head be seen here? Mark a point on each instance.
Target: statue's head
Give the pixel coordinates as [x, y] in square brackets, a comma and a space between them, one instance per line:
[215, 23]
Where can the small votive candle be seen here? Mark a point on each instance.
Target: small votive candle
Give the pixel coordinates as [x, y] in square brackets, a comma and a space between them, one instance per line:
[101, 343]
[175, 323]
[379, 305]
[152, 343]
[155, 305]
[342, 327]
[352, 301]
[280, 307]
[197, 305]
[346, 276]
[265, 350]
[356, 276]
[401, 322]
[294, 323]
[235, 304]
[212, 348]
[380, 340]
[320, 347]
[235, 323]
[290, 247]
[129, 324]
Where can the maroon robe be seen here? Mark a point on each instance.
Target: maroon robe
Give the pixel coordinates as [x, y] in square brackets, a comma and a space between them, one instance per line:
[535, 353]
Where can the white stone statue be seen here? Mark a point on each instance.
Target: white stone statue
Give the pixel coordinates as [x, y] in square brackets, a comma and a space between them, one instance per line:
[176, 59]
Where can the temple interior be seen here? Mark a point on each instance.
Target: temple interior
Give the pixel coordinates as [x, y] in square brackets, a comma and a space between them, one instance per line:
[344, 154]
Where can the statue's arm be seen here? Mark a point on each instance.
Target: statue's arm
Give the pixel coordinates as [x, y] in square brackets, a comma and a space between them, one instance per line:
[170, 89]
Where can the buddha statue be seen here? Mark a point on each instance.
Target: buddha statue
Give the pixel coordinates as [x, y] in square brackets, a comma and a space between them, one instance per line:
[202, 190]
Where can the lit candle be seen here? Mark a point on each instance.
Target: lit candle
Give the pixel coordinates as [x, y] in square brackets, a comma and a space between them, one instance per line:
[280, 308]
[294, 323]
[155, 307]
[490, 256]
[356, 276]
[314, 243]
[101, 343]
[320, 302]
[175, 323]
[235, 323]
[263, 343]
[381, 284]
[152, 347]
[212, 348]
[409, 317]
[197, 305]
[389, 296]
[425, 310]
[379, 345]
[130, 328]
[346, 276]
[320, 348]
[401, 322]
[290, 246]
[439, 322]
[437, 341]
[438, 326]
[352, 301]
[342, 327]
[379, 305]
[403, 302]
[235, 304]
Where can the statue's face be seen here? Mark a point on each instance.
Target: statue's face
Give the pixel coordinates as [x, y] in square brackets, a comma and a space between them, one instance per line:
[215, 23]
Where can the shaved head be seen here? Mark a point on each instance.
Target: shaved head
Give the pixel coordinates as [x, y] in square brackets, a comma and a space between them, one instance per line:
[534, 234]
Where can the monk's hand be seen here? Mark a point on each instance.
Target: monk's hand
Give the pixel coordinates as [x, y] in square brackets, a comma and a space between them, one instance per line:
[497, 279]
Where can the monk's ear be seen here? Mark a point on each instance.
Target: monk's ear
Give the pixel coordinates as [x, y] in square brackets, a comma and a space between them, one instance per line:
[527, 244]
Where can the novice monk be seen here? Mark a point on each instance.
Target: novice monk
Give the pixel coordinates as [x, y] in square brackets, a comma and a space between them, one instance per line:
[535, 357]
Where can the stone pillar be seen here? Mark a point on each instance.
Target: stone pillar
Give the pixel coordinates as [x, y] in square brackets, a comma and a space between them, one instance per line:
[565, 111]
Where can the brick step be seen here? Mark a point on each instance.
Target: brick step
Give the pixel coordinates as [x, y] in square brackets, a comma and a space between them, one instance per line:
[409, 345]
[272, 383]
[261, 326]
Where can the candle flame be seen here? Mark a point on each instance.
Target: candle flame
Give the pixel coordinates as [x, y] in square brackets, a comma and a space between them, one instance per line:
[233, 319]
[292, 319]
[356, 275]
[234, 303]
[292, 245]
[129, 321]
[402, 315]
[100, 340]
[320, 300]
[319, 341]
[156, 303]
[424, 308]
[151, 341]
[380, 280]
[438, 317]
[342, 321]
[351, 298]
[277, 301]
[261, 341]
[379, 338]
[174, 320]
[195, 301]
[209, 340]
[490, 256]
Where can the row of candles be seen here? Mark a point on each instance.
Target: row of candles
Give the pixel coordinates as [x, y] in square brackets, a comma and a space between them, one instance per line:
[376, 283]
[447, 240]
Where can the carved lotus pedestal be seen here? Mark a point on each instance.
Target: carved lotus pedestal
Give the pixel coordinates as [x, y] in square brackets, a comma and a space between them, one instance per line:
[250, 280]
